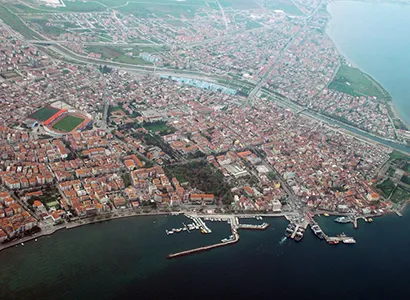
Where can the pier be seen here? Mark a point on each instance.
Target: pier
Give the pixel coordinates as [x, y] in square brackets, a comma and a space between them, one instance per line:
[205, 248]
[254, 227]
[233, 239]
[340, 238]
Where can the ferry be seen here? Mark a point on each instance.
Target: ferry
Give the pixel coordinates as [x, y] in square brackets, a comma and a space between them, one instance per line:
[349, 241]
[343, 220]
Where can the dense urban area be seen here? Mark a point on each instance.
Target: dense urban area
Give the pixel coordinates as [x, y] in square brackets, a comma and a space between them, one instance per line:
[116, 108]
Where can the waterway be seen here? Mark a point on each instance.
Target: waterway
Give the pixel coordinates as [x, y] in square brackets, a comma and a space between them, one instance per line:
[125, 259]
[375, 37]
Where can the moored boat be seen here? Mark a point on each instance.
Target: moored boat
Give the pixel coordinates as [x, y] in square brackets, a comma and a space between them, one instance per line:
[349, 241]
[343, 220]
[333, 242]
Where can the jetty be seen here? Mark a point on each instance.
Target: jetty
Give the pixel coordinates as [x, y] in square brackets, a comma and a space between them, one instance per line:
[205, 248]
[233, 239]
[263, 226]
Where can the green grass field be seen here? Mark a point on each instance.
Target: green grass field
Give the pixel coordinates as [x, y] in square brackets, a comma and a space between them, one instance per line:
[386, 187]
[160, 126]
[400, 195]
[68, 123]
[15, 23]
[106, 52]
[44, 113]
[356, 83]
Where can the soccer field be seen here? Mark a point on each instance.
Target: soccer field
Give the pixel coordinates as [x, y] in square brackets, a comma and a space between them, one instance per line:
[68, 123]
[44, 113]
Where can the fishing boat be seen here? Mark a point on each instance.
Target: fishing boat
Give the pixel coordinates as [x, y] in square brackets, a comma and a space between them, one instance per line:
[349, 241]
[343, 220]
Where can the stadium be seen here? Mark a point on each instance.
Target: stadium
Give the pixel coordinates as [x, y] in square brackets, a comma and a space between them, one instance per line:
[61, 121]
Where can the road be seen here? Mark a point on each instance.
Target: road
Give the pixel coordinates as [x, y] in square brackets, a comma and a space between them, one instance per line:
[263, 79]
[223, 13]
[52, 42]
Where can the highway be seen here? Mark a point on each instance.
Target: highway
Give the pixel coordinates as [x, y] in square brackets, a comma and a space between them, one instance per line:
[52, 42]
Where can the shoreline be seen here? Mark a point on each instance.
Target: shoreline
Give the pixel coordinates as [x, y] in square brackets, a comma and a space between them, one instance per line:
[389, 99]
[76, 224]
[68, 226]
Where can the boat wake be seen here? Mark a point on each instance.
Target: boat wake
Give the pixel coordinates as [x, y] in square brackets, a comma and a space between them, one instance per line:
[283, 240]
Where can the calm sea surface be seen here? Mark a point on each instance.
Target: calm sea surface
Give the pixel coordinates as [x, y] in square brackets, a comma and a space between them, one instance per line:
[376, 38]
[125, 259]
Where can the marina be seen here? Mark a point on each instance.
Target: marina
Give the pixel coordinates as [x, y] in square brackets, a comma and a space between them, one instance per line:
[232, 239]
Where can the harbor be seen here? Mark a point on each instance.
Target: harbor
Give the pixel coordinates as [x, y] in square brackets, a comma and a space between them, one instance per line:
[199, 224]
[297, 226]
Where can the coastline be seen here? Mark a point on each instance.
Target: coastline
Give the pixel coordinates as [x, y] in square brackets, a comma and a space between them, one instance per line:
[73, 225]
[389, 99]
[76, 224]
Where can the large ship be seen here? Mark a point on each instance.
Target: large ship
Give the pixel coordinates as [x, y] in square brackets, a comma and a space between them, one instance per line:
[317, 231]
[343, 220]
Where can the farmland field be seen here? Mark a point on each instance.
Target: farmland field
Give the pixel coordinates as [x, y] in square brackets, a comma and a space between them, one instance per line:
[356, 83]
[44, 113]
[68, 123]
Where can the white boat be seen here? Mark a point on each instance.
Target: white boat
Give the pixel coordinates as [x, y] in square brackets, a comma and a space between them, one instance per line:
[349, 241]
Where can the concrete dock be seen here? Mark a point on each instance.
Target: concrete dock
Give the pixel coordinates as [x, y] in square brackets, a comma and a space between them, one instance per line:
[233, 221]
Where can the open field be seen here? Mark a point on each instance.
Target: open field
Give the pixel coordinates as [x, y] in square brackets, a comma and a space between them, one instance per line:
[106, 52]
[41, 26]
[15, 23]
[399, 155]
[286, 6]
[68, 123]
[386, 187]
[239, 4]
[44, 113]
[356, 83]
[400, 195]
[117, 54]
[138, 7]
